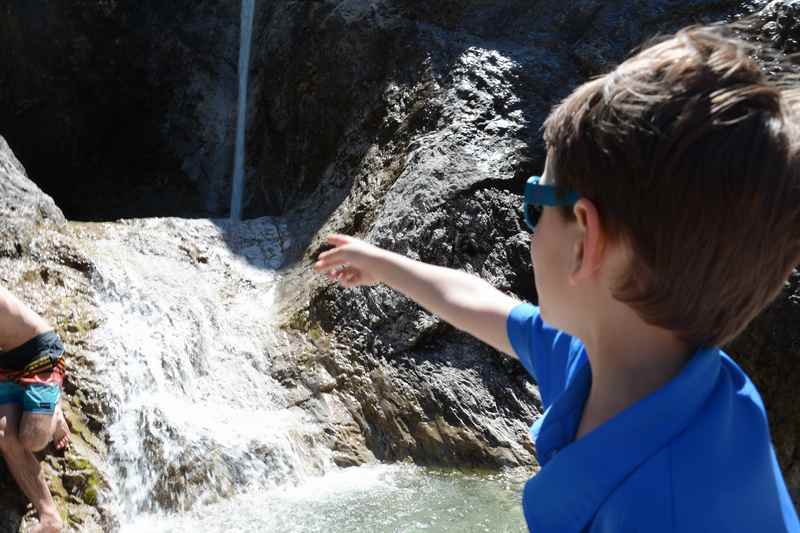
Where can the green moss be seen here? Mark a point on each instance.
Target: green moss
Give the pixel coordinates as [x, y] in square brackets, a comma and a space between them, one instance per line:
[57, 488]
[79, 463]
[299, 321]
[79, 325]
[92, 482]
[90, 495]
[60, 496]
[78, 427]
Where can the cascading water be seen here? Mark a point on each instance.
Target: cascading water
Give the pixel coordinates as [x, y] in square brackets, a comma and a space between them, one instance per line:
[248, 9]
[202, 438]
[184, 351]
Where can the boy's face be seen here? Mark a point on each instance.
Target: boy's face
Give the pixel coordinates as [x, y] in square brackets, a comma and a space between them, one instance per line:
[553, 260]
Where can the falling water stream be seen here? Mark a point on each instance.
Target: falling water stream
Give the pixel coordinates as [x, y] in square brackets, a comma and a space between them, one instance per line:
[246, 31]
[203, 439]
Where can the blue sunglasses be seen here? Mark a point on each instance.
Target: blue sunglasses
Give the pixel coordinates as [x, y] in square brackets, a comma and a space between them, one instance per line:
[538, 195]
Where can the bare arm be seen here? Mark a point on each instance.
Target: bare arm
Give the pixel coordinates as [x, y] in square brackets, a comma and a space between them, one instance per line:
[465, 301]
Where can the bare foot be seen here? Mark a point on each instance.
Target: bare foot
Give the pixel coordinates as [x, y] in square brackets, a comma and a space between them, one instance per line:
[61, 433]
[48, 525]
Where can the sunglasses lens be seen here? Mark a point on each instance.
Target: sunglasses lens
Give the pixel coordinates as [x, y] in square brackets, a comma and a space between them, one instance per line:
[532, 214]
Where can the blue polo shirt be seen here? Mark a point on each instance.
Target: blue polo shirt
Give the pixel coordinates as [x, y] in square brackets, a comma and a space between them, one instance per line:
[694, 456]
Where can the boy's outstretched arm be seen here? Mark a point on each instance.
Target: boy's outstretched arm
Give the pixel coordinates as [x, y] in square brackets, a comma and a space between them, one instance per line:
[465, 301]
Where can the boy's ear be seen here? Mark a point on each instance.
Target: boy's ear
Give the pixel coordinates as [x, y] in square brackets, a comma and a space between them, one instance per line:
[590, 242]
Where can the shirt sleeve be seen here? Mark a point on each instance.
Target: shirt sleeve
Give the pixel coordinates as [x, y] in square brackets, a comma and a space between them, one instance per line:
[545, 352]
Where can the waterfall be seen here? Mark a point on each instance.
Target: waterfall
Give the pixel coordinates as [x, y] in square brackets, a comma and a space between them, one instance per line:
[248, 8]
[184, 355]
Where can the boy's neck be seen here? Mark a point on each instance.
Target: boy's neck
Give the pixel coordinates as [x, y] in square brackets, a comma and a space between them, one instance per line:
[629, 361]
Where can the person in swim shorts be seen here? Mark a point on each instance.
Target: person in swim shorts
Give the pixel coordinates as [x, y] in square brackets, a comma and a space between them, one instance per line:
[31, 375]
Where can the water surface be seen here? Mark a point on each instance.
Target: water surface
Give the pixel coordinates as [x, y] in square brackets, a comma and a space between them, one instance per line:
[368, 499]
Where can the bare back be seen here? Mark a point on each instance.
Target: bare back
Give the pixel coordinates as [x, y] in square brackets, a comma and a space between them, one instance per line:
[18, 322]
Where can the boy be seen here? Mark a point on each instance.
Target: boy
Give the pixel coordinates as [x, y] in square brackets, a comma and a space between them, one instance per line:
[665, 220]
[31, 374]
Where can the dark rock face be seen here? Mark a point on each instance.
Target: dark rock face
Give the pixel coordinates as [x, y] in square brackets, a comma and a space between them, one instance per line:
[778, 25]
[130, 104]
[332, 80]
[136, 101]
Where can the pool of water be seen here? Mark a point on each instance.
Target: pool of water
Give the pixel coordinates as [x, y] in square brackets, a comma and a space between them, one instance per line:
[368, 499]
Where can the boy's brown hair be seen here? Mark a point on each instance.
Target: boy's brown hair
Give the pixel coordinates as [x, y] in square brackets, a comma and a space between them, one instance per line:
[692, 157]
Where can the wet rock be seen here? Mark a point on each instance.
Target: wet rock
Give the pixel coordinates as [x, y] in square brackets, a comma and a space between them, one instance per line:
[20, 199]
[778, 25]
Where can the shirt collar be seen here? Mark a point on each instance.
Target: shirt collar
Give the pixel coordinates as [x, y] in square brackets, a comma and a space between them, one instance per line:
[571, 486]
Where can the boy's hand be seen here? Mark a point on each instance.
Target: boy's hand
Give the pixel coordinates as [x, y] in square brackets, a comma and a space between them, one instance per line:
[352, 262]
[465, 301]
[2, 427]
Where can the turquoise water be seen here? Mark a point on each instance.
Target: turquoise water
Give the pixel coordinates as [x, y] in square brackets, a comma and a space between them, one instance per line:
[368, 499]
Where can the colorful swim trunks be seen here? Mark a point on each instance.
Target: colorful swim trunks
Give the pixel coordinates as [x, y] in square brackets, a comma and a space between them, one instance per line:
[31, 374]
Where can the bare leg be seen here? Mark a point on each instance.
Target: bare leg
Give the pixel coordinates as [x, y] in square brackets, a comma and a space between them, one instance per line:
[37, 430]
[28, 472]
[61, 431]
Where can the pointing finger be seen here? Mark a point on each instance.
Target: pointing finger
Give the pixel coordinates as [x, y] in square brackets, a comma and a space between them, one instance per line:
[337, 239]
[329, 263]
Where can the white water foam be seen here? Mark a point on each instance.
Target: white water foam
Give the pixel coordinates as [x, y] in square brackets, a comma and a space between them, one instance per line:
[184, 351]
